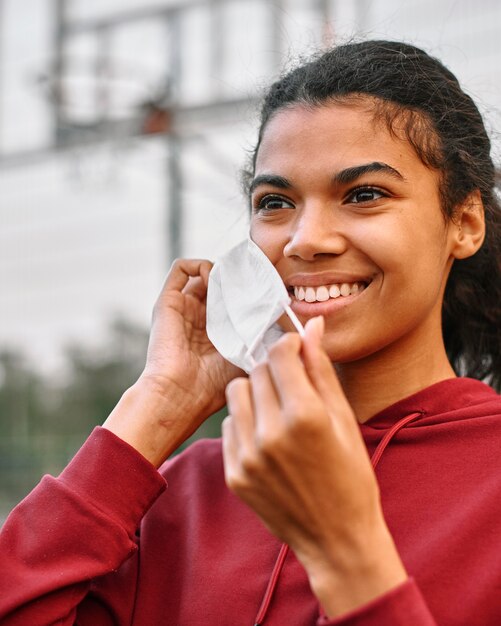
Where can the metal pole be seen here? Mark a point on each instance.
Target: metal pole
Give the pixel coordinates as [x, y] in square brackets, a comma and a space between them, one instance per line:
[58, 69]
[276, 39]
[102, 74]
[174, 148]
[175, 221]
[2, 39]
[216, 45]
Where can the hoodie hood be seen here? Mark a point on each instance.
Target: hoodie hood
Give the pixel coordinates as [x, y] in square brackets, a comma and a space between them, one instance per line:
[445, 401]
[449, 408]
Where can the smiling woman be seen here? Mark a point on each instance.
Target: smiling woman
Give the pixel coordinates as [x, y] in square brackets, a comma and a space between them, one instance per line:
[347, 219]
[357, 481]
[421, 106]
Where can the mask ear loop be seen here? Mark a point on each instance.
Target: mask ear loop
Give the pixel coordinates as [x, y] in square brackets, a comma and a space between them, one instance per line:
[296, 323]
[293, 318]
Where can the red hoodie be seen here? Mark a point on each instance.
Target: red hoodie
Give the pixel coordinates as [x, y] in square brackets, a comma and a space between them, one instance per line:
[70, 555]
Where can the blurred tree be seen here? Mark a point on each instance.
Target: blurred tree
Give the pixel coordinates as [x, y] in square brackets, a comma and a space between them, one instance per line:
[97, 377]
[21, 408]
[43, 421]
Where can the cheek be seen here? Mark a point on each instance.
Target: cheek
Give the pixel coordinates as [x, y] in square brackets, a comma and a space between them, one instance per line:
[271, 240]
[398, 245]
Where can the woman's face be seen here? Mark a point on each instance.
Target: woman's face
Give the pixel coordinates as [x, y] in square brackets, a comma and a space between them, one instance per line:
[350, 217]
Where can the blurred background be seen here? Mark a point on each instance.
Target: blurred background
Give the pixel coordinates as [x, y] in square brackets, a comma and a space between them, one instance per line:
[123, 128]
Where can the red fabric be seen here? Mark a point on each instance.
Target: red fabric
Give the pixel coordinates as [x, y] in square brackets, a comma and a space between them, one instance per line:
[68, 552]
[403, 606]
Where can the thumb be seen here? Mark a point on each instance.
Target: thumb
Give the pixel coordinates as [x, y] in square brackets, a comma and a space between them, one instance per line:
[318, 366]
[314, 330]
[316, 361]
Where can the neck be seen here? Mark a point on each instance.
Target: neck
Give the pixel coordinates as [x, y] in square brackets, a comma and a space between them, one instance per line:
[375, 382]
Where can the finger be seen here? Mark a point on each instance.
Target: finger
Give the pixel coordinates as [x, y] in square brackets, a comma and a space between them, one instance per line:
[196, 287]
[230, 449]
[182, 269]
[205, 270]
[288, 373]
[267, 411]
[320, 370]
[239, 402]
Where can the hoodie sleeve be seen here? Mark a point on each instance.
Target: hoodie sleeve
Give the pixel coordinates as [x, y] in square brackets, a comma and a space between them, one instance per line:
[73, 529]
[401, 606]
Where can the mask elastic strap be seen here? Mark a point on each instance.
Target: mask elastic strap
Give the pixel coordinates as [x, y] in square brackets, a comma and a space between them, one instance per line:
[296, 323]
[293, 318]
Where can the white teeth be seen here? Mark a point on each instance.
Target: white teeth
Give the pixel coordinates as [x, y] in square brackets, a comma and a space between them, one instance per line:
[310, 295]
[299, 293]
[334, 291]
[324, 292]
[345, 289]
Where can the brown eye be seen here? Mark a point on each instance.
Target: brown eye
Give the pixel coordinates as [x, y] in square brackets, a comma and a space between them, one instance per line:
[273, 203]
[365, 194]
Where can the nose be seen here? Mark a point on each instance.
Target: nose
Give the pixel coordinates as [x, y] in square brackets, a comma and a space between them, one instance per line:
[315, 231]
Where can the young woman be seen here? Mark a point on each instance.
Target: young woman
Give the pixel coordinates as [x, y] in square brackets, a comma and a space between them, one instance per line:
[358, 481]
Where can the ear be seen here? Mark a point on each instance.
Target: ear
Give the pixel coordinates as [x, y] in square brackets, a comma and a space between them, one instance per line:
[467, 227]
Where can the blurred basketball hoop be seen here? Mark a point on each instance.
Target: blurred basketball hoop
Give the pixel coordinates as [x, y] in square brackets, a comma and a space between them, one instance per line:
[99, 105]
[101, 95]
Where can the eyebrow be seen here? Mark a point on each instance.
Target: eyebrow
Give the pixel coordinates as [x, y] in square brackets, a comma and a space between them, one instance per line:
[269, 179]
[351, 174]
[344, 177]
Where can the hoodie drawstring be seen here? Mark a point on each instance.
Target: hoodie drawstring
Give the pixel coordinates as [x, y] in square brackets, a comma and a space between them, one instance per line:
[279, 563]
[383, 444]
[272, 583]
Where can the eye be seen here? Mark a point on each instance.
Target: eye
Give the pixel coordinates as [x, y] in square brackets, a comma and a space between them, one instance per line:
[365, 194]
[271, 202]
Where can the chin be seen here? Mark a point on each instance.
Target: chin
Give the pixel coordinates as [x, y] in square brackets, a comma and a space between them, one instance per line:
[344, 351]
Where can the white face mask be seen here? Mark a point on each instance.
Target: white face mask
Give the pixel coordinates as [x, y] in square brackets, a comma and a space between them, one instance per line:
[245, 298]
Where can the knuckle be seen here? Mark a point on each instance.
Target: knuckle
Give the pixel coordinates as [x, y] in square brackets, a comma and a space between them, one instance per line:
[273, 444]
[258, 371]
[206, 265]
[226, 426]
[276, 349]
[232, 480]
[235, 387]
[240, 479]
[175, 265]
[251, 466]
[283, 347]
[303, 422]
[296, 412]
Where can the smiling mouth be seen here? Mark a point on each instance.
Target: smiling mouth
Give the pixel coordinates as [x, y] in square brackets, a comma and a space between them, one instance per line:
[322, 293]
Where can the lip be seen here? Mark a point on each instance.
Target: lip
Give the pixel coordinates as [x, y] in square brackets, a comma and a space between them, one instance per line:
[327, 278]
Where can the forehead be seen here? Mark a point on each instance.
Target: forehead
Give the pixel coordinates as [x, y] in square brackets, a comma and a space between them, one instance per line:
[334, 136]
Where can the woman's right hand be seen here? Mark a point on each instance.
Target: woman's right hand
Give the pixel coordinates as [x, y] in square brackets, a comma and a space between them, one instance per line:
[184, 379]
[180, 354]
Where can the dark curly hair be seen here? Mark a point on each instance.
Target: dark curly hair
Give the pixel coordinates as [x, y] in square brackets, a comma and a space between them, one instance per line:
[447, 131]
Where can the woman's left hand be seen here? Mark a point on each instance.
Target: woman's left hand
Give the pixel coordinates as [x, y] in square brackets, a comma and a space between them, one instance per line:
[294, 453]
